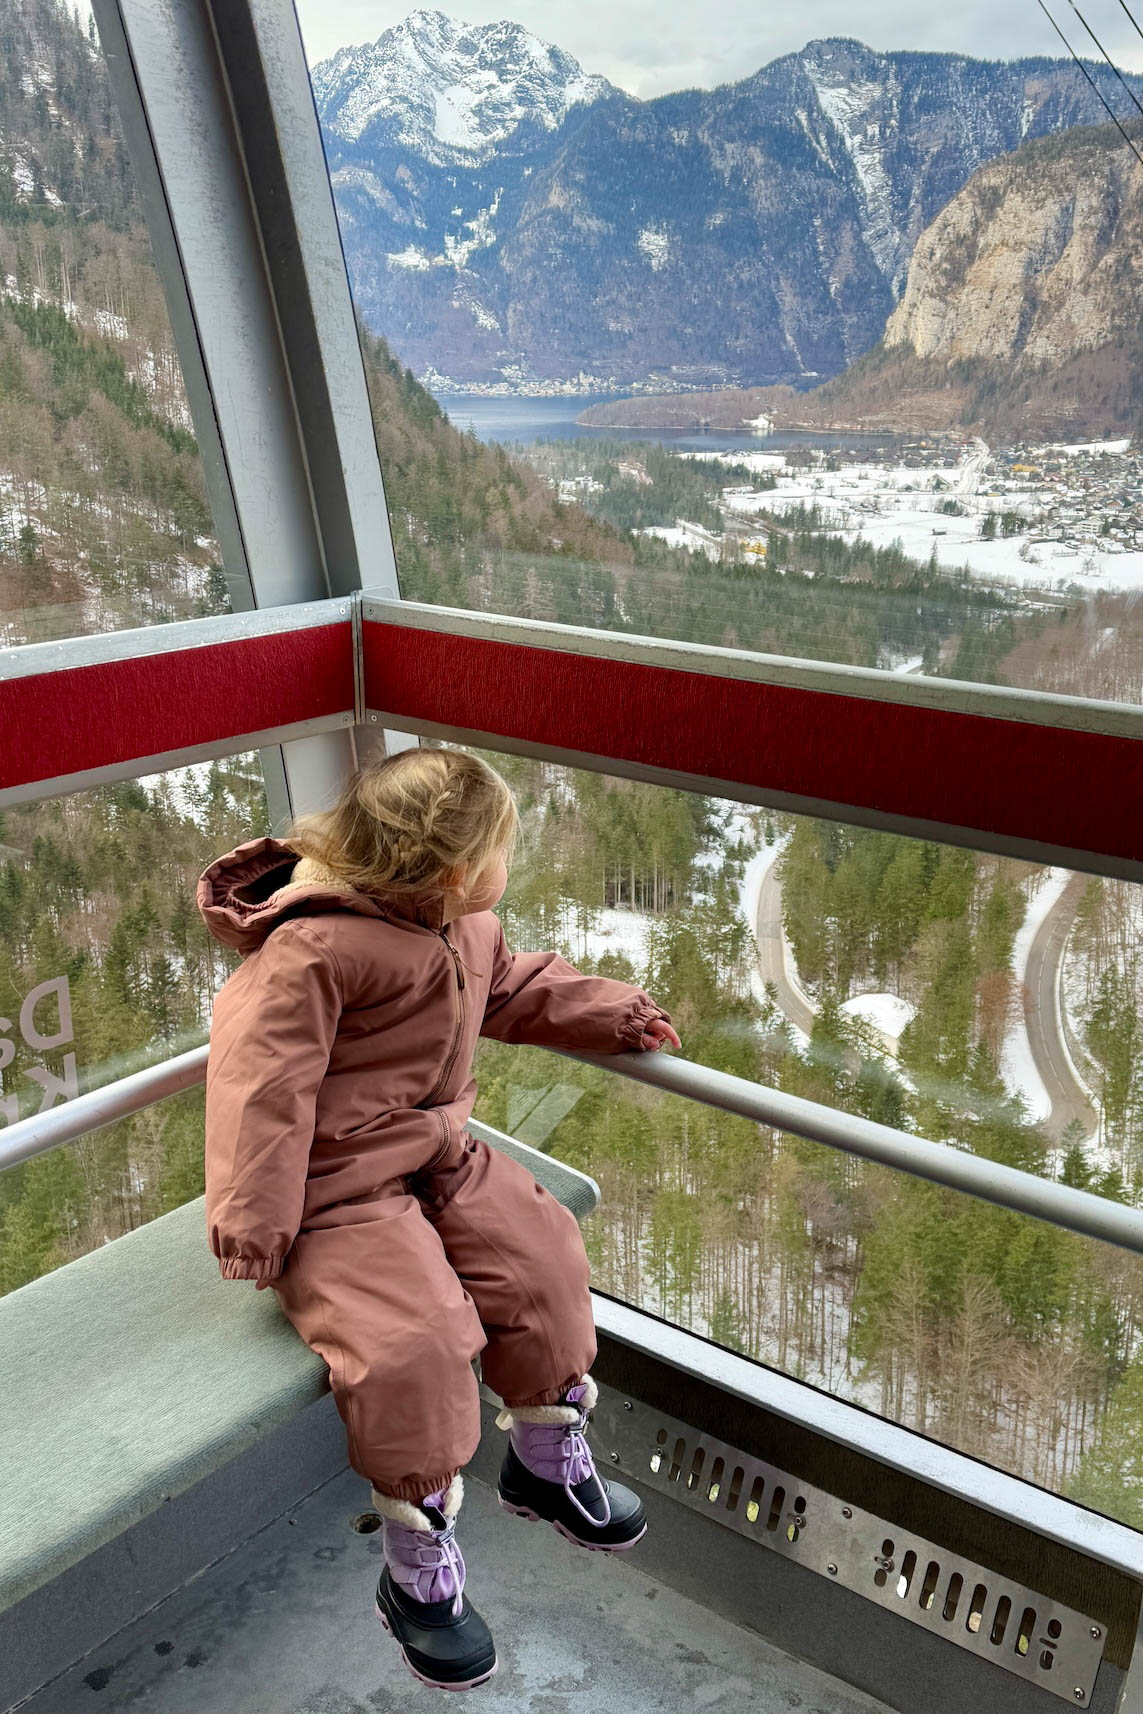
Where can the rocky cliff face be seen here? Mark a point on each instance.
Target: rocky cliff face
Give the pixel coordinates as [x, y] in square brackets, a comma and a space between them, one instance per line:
[1034, 262]
[511, 222]
[1023, 310]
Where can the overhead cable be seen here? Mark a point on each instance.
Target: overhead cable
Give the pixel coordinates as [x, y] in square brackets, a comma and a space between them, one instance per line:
[1131, 15]
[1131, 93]
[1113, 116]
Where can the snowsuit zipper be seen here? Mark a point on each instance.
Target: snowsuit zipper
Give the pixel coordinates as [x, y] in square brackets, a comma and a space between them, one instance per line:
[450, 1058]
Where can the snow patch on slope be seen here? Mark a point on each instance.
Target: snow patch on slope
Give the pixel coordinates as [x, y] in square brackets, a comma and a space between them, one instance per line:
[850, 108]
[655, 244]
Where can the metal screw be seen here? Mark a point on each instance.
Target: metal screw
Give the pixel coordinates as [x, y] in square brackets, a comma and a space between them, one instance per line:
[615, 1457]
[1096, 1633]
[373, 720]
[627, 1405]
[1078, 1694]
[847, 1511]
[832, 1568]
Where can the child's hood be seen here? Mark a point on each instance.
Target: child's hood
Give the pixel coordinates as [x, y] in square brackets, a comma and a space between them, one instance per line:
[248, 892]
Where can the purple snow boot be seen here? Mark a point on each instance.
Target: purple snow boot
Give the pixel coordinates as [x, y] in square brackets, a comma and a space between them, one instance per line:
[420, 1598]
[549, 1473]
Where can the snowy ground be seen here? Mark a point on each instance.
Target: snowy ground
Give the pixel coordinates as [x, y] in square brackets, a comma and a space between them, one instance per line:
[761, 463]
[900, 507]
[1086, 446]
[887, 1014]
[686, 535]
[622, 931]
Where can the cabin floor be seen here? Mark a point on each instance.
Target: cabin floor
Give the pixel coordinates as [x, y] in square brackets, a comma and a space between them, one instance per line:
[285, 1625]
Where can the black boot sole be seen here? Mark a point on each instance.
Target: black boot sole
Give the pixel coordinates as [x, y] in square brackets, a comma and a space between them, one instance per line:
[422, 1678]
[533, 1517]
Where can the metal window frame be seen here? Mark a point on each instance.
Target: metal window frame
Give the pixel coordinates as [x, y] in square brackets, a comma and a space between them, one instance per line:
[218, 113]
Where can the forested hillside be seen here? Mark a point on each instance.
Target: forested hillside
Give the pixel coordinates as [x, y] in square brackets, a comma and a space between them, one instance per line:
[103, 520]
[1011, 1339]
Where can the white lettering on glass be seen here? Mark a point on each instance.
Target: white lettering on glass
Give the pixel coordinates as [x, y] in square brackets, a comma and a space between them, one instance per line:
[34, 1037]
[45, 1023]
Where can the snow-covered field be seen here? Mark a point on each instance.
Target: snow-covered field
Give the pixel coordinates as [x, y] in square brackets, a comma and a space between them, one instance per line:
[685, 535]
[623, 931]
[899, 505]
[886, 1014]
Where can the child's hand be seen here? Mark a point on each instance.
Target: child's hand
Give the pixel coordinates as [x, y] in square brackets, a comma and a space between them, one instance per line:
[659, 1034]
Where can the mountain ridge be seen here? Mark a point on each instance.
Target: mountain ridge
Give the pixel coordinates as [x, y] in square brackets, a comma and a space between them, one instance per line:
[1020, 316]
[451, 92]
[756, 233]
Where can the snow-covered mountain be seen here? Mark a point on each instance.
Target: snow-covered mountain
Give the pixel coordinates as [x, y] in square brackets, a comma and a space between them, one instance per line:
[449, 91]
[511, 222]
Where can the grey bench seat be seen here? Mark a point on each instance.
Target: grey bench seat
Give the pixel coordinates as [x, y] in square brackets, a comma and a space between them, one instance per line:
[136, 1371]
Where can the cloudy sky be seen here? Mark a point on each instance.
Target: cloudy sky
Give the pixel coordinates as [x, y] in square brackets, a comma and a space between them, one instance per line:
[650, 46]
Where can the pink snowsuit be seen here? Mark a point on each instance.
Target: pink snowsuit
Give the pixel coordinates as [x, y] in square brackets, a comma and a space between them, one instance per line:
[339, 1170]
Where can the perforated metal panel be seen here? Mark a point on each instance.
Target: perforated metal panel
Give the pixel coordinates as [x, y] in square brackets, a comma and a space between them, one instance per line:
[1015, 1628]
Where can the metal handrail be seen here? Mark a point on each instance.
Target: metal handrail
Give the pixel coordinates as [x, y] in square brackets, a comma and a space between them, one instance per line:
[990, 1181]
[940, 1163]
[99, 1107]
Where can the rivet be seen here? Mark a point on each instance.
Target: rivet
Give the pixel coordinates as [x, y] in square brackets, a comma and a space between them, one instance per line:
[1096, 1633]
[847, 1511]
[615, 1457]
[373, 720]
[832, 1568]
[627, 1405]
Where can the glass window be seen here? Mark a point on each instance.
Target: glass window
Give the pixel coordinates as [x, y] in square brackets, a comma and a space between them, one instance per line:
[104, 522]
[907, 982]
[107, 967]
[584, 313]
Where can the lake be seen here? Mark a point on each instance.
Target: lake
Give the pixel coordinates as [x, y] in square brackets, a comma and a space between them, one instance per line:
[531, 419]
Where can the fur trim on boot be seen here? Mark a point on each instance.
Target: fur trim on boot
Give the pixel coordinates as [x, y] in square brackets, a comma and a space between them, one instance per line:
[411, 1517]
[564, 1415]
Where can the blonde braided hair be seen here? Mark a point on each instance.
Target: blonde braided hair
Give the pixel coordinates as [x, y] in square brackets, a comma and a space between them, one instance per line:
[408, 823]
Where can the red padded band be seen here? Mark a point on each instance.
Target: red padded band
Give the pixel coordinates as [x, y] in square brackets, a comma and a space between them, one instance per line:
[1051, 785]
[80, 718]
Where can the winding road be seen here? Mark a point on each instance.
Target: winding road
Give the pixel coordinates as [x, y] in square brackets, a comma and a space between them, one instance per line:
[1069, 1099]
[769, 935]
[1042, 1016]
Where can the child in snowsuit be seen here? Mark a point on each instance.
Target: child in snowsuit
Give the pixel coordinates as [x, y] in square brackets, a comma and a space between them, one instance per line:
[340, 1173]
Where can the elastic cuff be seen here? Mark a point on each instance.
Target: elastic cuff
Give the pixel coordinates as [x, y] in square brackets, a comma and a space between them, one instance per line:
[551, 1395]
[414, 1489]
[631, 1034]
[261, 1268]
